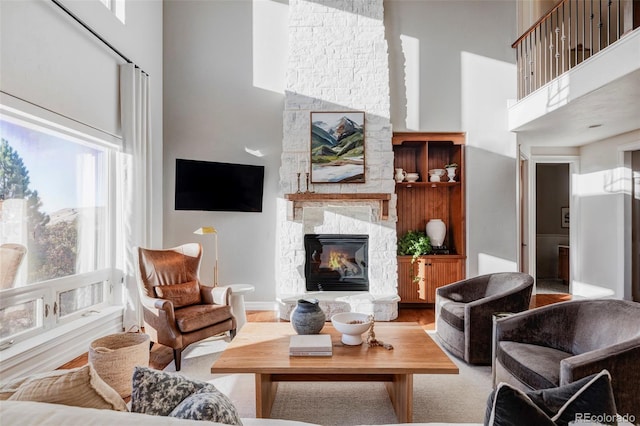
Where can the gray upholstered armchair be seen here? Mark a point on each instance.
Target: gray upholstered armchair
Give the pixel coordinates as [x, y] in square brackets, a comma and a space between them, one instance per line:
[464, 311]
[558, 344]
[178, 310]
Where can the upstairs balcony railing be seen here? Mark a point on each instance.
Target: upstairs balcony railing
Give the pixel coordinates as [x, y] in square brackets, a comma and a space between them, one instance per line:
[569, 34]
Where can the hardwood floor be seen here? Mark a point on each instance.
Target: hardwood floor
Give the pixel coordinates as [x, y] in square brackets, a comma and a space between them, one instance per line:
[161, 356]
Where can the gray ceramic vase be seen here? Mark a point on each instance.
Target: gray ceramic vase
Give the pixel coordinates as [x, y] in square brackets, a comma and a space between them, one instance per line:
[307, 317]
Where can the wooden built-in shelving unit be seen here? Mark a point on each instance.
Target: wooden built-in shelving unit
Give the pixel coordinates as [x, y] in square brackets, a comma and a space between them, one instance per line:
[420, 201]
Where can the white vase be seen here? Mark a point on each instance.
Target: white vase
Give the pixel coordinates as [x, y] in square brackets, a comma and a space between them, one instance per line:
[451, 174]
[436, 231]
[400, 175]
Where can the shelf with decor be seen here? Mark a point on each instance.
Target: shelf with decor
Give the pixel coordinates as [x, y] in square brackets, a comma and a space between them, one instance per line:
[423, 200]
[431, 184]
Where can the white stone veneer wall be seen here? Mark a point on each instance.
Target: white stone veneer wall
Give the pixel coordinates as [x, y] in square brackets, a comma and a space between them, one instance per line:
[337, 61]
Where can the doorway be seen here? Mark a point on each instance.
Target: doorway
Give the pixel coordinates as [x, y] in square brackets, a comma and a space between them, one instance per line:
[635, 225]
[552, 227]
[523, 196]
[548, 213]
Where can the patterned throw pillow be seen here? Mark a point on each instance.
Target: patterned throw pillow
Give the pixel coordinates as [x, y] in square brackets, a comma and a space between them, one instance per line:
[207, 404]
[169, 394]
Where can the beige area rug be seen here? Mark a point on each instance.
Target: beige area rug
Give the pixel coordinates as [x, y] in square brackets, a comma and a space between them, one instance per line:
[457, 398]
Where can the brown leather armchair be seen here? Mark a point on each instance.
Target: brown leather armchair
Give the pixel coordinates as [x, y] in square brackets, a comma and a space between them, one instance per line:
[178, 309]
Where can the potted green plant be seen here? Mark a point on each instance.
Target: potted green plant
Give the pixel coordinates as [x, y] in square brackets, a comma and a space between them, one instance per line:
[414, 244]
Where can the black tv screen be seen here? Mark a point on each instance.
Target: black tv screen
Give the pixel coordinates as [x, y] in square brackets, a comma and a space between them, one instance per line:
[206, 185]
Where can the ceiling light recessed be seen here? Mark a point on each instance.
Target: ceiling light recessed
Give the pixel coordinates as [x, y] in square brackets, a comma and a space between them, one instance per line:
[593, 126]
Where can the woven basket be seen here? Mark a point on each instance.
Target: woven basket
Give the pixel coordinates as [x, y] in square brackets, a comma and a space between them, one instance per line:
[114, 357]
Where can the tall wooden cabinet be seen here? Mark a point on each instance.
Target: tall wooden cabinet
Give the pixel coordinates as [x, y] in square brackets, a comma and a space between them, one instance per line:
[420, 201]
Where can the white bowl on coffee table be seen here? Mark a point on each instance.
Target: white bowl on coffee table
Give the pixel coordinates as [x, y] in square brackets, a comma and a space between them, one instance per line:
[351, 325]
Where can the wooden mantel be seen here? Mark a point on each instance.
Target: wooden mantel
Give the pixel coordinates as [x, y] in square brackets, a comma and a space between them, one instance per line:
[302, 197]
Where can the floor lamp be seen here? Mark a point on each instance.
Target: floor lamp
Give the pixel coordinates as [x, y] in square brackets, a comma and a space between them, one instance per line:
[208, 230]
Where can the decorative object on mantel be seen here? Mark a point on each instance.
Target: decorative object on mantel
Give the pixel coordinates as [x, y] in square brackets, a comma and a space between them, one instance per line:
[337, 147]
[451, 171]
[436, 174]
[208, 230]
[307, 317]
[436, 230]
[371, 337]
[400, 175]
[308, 185]
[352, 325]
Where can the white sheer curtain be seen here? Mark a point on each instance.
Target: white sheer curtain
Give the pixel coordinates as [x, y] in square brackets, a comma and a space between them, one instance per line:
[135, 179]
[87, 205]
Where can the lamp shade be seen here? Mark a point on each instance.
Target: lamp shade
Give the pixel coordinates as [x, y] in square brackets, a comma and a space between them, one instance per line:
[205, 230]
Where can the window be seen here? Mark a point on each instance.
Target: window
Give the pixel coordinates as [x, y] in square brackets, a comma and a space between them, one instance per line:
[115, 6]
[57, 198]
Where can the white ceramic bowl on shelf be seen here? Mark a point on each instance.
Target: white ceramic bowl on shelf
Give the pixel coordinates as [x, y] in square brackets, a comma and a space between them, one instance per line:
[436, 174]
[412, 177]
[351, 325]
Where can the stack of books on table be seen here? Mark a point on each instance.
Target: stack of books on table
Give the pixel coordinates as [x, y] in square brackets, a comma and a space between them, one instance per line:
[310, 345]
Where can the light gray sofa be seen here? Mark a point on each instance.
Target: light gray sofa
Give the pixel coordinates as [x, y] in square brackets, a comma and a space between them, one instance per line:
[557, 344]
[26, 413]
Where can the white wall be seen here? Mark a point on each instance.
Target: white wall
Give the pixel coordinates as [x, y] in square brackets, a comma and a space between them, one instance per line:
[457, 55]
[50, 60]
[216, 106]
[601, 188]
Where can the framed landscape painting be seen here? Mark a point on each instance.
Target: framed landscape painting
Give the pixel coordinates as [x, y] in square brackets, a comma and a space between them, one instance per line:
[337, 147]
[564, 212]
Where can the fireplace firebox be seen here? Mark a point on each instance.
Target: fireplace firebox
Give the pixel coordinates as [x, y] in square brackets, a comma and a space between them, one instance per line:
[336, 262]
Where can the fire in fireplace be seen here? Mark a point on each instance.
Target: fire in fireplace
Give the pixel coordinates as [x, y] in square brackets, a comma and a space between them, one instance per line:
[336, 262]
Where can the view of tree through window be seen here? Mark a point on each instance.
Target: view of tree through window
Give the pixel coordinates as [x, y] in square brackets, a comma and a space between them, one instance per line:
[53, 202]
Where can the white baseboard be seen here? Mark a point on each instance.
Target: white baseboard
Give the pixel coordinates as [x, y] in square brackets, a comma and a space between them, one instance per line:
[50, 350]
[261, 306]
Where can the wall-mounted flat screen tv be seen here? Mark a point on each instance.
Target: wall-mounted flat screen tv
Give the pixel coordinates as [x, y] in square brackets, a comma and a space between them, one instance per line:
[206, 185]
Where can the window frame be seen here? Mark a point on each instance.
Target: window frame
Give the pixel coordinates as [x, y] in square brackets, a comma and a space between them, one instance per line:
[23, 113]
[117, 7]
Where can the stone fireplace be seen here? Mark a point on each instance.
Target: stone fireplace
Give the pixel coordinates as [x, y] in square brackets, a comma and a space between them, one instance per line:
[337, 61]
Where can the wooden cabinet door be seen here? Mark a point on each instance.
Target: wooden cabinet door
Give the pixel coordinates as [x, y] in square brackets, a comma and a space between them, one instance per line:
[439, 272]
[417, 282]
[411, 280]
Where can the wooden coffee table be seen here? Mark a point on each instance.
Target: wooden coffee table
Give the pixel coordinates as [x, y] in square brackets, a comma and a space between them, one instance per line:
[263, 349]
